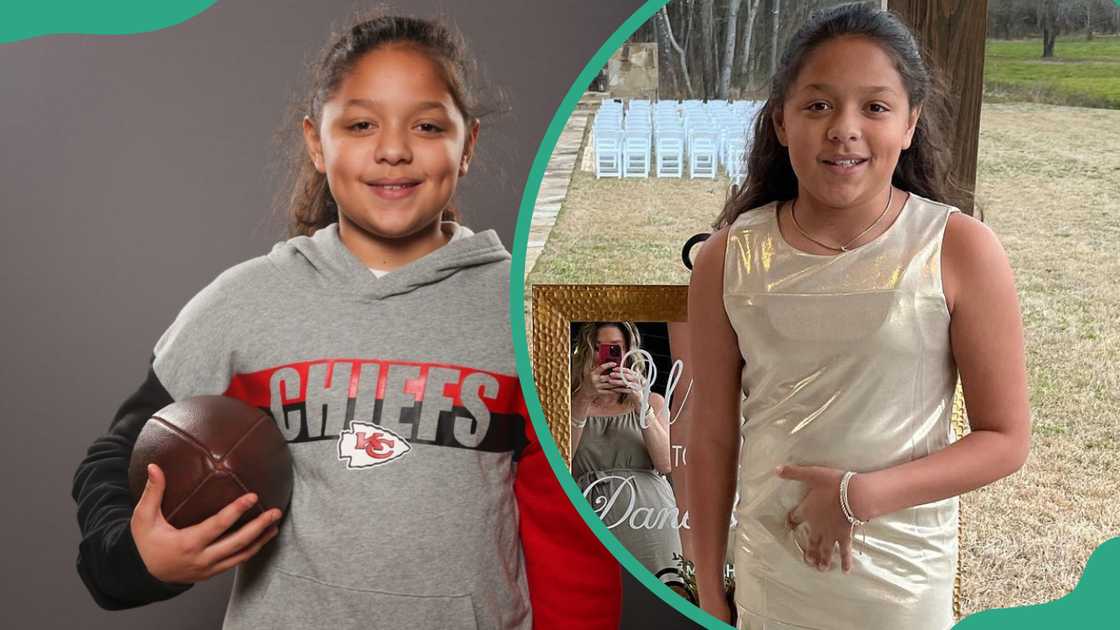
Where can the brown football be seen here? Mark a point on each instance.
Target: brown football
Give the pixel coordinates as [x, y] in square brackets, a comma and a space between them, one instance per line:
[212, 450]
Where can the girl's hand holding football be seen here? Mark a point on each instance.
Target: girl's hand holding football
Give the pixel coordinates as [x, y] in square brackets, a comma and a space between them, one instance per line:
[196, 553]
[820, 509]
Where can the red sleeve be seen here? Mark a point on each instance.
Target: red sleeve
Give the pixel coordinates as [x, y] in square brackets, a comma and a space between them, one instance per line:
[574, 582]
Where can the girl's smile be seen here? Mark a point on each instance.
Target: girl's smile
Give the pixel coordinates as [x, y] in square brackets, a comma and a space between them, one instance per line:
[394, 188]
[844, 165]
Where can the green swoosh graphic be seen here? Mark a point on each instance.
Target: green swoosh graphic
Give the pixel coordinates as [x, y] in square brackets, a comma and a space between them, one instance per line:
[1091, 605]
[1086, 607]
[31, 18]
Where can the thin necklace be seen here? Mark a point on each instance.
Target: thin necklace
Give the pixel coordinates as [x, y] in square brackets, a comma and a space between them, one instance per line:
[844, 247]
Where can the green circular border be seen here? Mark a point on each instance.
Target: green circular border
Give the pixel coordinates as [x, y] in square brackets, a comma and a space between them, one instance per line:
[517, 321]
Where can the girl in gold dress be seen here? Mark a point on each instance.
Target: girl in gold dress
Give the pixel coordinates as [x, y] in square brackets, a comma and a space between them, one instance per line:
[842, 296]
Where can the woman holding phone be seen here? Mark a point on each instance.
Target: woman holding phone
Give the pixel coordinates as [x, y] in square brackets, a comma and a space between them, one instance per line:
[620, 442]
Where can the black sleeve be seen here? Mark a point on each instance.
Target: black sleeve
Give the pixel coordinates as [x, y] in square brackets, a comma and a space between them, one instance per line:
[108, 561]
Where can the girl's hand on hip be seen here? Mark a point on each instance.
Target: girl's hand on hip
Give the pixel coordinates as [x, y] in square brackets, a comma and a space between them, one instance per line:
[820, 510]
[201, 551]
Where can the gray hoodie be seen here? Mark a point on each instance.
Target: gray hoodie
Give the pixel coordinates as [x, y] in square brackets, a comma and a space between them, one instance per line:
[399, 398]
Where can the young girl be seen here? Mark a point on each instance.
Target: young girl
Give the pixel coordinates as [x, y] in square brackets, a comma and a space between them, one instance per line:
[841, 297]
[381, 315]
[620, 446]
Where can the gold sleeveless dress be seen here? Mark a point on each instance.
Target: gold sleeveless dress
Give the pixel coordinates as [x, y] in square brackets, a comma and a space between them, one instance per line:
[847, 365]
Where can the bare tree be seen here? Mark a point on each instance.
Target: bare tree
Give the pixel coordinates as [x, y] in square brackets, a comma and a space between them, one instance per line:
[1089, 20]
[667, 27]
[776, 17]
[748, 30]
[688, 10]
[1009, 19]
[729, 48]
[708, 43]
[666, 68]
[1047, 24]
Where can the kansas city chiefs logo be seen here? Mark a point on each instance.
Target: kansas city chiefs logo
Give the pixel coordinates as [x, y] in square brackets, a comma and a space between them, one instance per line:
[365, 445]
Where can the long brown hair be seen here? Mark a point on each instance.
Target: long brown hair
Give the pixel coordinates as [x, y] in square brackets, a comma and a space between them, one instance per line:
[308, 200]
[922, 169]
[584, 353]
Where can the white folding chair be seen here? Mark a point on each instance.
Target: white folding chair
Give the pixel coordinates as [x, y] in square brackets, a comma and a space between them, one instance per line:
[635, 156]
[734, 152]
[702, 158]
[736, 161]
[608, 156]
[670, 156]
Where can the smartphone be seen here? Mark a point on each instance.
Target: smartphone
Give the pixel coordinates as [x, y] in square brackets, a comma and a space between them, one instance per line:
[610, 353]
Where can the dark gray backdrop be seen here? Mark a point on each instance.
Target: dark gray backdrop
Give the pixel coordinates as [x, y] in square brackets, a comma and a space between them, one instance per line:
[135, 169]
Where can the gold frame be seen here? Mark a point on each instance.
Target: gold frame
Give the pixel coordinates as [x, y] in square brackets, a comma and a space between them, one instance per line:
[556, 306]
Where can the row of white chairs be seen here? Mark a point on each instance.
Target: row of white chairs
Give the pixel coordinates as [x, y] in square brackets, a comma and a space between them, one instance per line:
[637, 157]
[666, 136]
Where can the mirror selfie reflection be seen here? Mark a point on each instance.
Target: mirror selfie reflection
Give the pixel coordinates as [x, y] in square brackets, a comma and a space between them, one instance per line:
[621, 455]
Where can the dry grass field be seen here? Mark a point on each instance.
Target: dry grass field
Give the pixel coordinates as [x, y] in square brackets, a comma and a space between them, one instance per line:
[1049, 185]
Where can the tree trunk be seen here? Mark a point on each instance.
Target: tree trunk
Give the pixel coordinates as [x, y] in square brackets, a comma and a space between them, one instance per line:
[748, 28]
[689, 13]
[775, 19]
[683, 44]
[729, 49]
[708, 43]
[1048, 37]
[1046, 23]
[667, 82]
[1089, 20]
[667, 27]
[953, 34]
